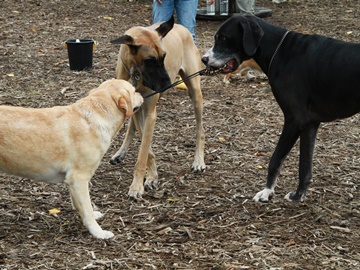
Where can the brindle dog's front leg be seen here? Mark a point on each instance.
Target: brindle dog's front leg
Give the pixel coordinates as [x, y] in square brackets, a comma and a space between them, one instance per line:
[119, 156]
[146, 120]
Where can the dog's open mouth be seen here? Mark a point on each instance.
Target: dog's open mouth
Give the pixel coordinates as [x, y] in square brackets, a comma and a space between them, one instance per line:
[230, 66]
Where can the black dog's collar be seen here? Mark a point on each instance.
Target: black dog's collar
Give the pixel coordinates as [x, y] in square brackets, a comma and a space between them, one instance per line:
[277, 48]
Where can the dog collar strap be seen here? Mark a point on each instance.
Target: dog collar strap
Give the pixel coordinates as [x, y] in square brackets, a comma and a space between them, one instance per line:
[125, 66]
[277, 48]
[133, 72]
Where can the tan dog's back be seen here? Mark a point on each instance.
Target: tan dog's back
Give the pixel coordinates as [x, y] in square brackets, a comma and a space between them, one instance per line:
[181, 52]
[41, 143]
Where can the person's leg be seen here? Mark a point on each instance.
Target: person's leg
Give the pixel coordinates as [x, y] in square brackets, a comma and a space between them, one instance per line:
[162, 12]
[186, 14]
[245, 6]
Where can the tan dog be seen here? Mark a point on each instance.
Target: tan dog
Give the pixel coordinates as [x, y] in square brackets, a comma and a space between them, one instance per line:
[66, 143]
[150, 58]
[244, 69]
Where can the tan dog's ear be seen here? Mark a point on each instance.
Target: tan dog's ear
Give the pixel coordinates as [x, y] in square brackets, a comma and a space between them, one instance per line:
[165, 27]
[128, 40]
[123, 104]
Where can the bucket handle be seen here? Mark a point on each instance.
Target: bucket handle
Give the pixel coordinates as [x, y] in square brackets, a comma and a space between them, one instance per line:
[94, 46]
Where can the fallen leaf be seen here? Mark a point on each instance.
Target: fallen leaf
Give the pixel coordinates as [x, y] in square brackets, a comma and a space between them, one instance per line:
[165, 231]
[108, 18]
[54, 211]
[10, 75]
[181, 86]
[292, 243]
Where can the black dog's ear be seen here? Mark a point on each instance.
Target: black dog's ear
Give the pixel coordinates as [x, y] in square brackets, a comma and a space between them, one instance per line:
[251, 36]
[128, 40]
[165, 27]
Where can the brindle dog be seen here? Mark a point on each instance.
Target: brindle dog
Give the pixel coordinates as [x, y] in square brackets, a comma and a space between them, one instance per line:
[150, 58]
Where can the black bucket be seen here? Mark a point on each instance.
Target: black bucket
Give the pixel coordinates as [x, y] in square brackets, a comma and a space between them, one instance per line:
[80, 53]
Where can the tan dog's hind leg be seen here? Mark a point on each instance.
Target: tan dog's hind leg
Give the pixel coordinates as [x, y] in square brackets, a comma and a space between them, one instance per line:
[78, 184]
[195, 94]
[244, 69]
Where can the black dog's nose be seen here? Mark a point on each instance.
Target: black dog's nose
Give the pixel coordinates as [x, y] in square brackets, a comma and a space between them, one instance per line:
[205, 59]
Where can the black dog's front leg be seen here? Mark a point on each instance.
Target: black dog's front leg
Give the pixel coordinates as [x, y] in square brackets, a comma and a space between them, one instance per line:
[307, 145]
[288, 137]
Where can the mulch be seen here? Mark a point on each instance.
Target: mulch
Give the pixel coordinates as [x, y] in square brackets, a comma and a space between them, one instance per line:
[192, 221]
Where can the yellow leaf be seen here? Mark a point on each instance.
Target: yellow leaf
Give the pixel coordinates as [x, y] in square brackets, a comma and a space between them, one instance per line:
[181, 86]
[10, 75]
[222, 139]
[108, 18]
[54, 211]
[259, 167]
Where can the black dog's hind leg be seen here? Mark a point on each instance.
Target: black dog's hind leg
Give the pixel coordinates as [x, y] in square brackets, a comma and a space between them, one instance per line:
[307, 145]
[290, 133]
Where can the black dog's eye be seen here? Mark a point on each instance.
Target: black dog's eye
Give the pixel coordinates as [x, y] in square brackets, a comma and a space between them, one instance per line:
[222, 38]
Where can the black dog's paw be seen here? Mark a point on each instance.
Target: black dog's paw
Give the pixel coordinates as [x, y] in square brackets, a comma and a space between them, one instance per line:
[295, 197]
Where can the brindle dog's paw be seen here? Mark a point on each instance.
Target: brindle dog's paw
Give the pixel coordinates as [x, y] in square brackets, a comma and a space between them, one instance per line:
[198, 168]
[135, 193]
[151, 184]
[117, 159]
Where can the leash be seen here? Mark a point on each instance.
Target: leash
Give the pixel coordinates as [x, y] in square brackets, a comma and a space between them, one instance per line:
[277, 48]
[201, 72]
[205, 71]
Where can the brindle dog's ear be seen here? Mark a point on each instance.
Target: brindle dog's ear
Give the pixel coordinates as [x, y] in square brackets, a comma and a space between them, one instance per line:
[165, 27]
[128, 40]
[252, 34]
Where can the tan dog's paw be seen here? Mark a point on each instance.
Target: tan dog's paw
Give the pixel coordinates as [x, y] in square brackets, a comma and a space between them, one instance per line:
[226, 79]
[103, 234]
[151, 184]
[136, 191]
[97, 232]
[198, 166]
[98, 215]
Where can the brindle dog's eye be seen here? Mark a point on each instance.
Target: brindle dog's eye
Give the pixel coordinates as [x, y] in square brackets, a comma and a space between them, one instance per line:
[150, 60]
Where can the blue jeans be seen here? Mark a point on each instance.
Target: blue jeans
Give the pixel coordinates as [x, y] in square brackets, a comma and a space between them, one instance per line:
[185, 11]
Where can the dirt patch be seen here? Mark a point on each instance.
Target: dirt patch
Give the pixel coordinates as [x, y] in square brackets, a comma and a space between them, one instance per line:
[193, 221]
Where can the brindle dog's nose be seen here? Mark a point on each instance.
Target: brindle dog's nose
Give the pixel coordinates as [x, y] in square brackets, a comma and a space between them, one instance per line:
[205, 59]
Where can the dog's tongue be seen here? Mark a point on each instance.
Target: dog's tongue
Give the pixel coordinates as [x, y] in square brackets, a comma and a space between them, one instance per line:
[228, 66]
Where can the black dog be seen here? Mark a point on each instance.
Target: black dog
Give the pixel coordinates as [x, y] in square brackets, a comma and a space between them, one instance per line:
[313, 78]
